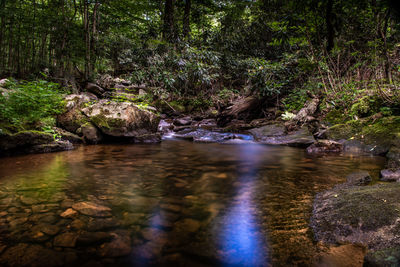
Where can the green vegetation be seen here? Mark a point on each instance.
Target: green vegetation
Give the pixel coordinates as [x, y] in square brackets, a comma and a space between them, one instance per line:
[31, 104]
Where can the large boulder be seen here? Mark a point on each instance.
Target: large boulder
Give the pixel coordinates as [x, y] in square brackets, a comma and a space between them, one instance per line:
[91, 134]
[275, 134]
[73, 118]
[31, 142]
[366, 215]
[122, 119]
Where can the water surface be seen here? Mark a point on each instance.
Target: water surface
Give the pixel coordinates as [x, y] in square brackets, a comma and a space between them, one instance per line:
[176, 203]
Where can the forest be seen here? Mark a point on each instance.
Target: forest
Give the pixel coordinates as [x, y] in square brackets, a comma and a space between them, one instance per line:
[199, 132]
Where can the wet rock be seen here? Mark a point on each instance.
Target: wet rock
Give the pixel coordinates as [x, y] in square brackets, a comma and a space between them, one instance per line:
[363, 215]
[358, 147]
[393, 157]
[188, 225]
[48, 229]
[29, 200]
[69, 213]
[325, 146]
[344, 255]
[92, 209]
[68, 136]
[390, 175]
[55, 146]
[121, 119]
[91, 238]
[30, 255]
[275, 135]
[23, 141]
[182, 121]
[359, 178]
[17, 222]
[91, 134]
[97, 224]
[119, 246]
[268, 131]
[67, 240]
[77, 224]
[133, 218]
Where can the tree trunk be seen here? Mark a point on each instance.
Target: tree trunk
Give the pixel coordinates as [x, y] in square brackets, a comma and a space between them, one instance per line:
[329, 26]
[186, 19]
[168, 31]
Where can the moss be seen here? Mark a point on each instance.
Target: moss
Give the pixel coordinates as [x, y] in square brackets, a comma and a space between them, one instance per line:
[107, 123]
[382, 131]
[336, 116]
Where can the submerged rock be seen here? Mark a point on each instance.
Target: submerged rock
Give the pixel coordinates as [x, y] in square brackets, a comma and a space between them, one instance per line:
[66, 240]
[359, 178]
[119, 246]
[92, 209]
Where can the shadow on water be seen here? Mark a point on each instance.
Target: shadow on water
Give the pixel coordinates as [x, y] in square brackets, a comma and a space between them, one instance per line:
[174, 204]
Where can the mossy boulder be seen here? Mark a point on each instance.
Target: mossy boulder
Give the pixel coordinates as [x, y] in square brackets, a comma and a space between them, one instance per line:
[31, 142]
[73, 118]
[383, 131]
[121, 119]
[367, 215]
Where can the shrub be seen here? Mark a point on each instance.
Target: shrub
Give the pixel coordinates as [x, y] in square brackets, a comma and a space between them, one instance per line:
[27, 104]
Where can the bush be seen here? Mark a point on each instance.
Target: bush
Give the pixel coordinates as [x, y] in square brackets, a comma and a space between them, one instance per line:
[31, 104]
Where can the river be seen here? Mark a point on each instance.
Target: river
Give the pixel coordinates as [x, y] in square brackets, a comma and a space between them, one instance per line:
[177, 203]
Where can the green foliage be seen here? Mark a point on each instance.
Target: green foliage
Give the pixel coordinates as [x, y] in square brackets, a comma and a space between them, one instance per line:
[28, 104]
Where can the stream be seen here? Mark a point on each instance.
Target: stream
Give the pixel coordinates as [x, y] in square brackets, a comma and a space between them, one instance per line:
[177, 203]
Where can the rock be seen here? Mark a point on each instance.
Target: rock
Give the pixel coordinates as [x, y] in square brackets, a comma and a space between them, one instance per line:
[359, 178]
[360, 215]
[188, 225]
[73, 118]
[69, 213]
[30, 200]
[98, 224]
[268, 131]
[67, 240]
[358, 147]
[119, 246]
[55, 146]
[48, 229]
[183, 121]
[68, 136]
[275, 135]
[348, 255]
[393, 157]
[92, 209]
[390, 175]
[94, 89]
[91, 134]
[3, 82]
[90, 238]
[30, 255]
[122, 119]
[24, 140]
[325, 146]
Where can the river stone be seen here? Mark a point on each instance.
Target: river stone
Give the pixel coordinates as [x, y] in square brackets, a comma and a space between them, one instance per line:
[90, 238]
[67, 240]
[121, 119]
[325, 146]
[99, 224]
[183, 121]
[393, 157]
[54, 146]
[119, 246]
[48, 229]
[30, 255]
[390, 175]
[359, 178]
[92, 209]
[268, 131]
[69, 213]
[29, 200]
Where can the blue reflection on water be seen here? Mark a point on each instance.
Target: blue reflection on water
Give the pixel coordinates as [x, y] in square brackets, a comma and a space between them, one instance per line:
[242, 242]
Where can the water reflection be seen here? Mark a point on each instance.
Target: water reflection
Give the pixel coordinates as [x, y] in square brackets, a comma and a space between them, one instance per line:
[242, 240]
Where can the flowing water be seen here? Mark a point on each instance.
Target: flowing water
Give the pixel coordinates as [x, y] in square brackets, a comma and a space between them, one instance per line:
[176, 203]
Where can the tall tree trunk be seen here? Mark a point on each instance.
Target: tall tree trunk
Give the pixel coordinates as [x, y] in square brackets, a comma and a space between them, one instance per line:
[186, 19]
[168, 31]
[329, 26]
[387, 67]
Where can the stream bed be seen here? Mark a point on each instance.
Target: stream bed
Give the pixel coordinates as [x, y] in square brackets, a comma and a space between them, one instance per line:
[177, 203]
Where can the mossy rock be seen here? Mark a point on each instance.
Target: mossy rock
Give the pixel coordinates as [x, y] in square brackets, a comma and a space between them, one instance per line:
[336, 116]
[368, 215]
[384, 131]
